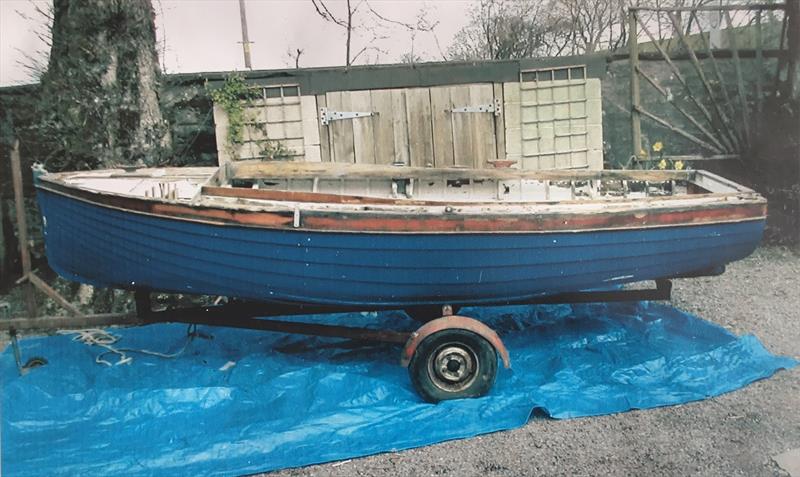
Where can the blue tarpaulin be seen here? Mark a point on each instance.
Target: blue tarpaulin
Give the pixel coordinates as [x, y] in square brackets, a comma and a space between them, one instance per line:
[240, 401]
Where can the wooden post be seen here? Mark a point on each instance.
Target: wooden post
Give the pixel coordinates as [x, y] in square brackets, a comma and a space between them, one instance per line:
[245, 37]
[22, 228]
[792, 16]
[633, 49]
[759, 72]
[739, 79]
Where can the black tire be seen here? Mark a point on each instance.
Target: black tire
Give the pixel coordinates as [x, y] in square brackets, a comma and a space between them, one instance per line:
[453, 364]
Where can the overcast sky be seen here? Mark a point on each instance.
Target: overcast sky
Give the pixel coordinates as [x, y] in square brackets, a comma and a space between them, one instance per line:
[203, 35]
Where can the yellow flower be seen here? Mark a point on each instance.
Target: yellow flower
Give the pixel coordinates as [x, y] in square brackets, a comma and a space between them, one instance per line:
[658, 146]
[642, 153]
[678, 165]
[663, 164]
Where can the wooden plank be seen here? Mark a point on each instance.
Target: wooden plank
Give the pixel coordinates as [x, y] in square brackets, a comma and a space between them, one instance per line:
[463, 135]
[442, 126]
[308, 170]
[420, 130]
[70, 322]
[324, 137]
[483, 132]
[718, 184]
[310, 128]
[400, 127]
[499, 123]
[512, 113]
[383, 126]
[318, 197]
[50, 292]
[636, 101]
[363, 128]
[341, 131]
[22, 228]
[224, 148]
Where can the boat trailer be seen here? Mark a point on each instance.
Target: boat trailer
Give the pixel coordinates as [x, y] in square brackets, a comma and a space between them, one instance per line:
[450, 356]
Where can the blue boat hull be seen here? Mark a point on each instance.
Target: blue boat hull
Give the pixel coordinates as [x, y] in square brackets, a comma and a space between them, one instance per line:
[108, 247]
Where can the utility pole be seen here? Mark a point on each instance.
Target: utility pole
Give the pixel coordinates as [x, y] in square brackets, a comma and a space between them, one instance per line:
[245, 38]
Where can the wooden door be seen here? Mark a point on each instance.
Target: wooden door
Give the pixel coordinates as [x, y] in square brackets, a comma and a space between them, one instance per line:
[420, 127]
[464, 125]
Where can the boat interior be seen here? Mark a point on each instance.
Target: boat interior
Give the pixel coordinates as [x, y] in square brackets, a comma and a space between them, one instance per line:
[357, 183]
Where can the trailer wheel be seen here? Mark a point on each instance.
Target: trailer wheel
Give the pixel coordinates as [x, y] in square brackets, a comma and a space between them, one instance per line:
[453, 364]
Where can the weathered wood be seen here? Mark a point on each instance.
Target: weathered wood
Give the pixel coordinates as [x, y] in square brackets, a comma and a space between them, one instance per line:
[221, 134]
[324, 134]
[420, 131]
[310, 128]
[718, 184]
[333, 198]
[441, 105]
[22, 228]
[626, 213]
[400, 127]
[49, 323]
[54, 295]
[383, 126]
[739, 79]
[483, 128]
[301, 170]
[633, 49]
[464, 149]
[363, 128]
[499, 124]
[341, 132]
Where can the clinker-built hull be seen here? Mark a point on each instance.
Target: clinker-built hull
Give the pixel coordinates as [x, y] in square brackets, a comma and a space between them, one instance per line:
[273, 233]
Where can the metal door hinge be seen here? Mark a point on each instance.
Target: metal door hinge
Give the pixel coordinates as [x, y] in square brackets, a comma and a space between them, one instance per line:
[495, 107]
[326, 115]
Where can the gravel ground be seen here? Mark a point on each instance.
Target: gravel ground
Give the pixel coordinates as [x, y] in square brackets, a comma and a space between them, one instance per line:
[733, 434]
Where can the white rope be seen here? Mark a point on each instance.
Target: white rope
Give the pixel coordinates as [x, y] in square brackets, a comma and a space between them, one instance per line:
[106, 340]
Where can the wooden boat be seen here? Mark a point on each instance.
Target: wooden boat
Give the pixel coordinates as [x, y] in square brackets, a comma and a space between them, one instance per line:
[346, 234]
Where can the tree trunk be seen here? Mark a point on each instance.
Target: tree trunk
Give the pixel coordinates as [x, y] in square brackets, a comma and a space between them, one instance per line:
[99, 102]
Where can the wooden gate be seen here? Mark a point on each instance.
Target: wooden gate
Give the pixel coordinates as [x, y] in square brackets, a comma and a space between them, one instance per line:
[441, 126]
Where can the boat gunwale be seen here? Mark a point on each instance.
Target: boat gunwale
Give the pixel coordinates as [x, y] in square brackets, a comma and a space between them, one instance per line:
[287, 216]
[216, 177]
